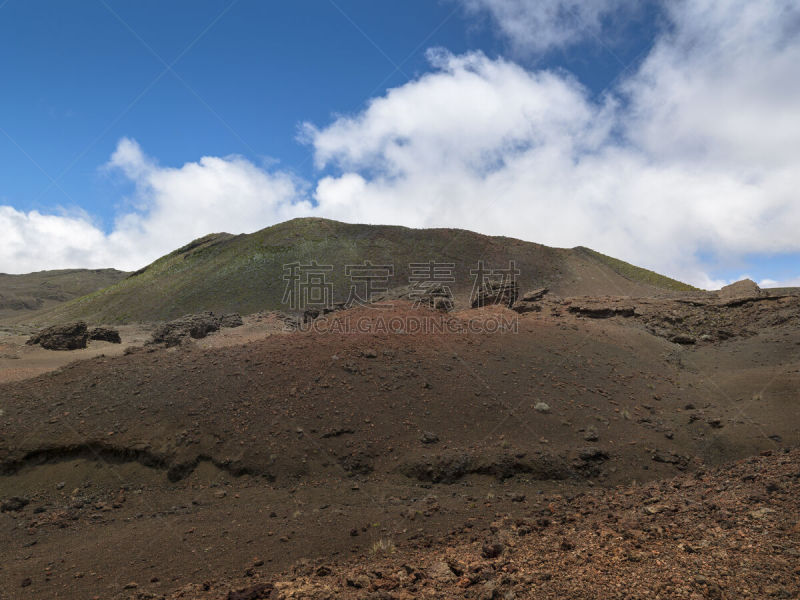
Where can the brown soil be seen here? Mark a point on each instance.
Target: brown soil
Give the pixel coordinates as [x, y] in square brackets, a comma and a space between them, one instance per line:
[732, 532]
[223, 463]
[19, 361]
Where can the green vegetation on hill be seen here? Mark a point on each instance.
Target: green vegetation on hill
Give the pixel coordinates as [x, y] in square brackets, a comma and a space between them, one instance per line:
[245, 273]
[22, 294]
[638, 274]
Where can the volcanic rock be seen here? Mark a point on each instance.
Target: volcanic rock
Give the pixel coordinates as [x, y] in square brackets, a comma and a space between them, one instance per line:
[602, 310]
[437, 297]
[593, 453]
[14, 504]
[72, 336]
[428, 437]
[231, 320]
[741, 289]
[683, 339]
[105, 334]
[534, 295]
[196, 326]
[263, 590]
[504, 293]
[492, 550]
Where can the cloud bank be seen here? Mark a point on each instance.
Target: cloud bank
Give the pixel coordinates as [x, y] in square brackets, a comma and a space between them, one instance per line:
[693, 156]
[171, 207]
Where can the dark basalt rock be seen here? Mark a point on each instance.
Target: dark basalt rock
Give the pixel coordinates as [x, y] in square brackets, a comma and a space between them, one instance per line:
[175, 332]
[105, 334]
[72, 336]
[231, 320]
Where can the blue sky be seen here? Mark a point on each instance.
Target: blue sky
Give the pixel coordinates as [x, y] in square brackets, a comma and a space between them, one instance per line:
[281, 92]
[76, 71]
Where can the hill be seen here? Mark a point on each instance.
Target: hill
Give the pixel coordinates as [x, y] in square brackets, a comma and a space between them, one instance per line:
[20, 295]
[245, 273]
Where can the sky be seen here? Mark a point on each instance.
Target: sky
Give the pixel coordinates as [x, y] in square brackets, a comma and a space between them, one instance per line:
[663, 133]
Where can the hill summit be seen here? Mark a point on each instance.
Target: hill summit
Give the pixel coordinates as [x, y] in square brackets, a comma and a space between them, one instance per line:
[250, 272]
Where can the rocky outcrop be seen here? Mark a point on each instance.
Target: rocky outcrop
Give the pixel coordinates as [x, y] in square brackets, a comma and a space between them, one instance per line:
[72, 336]
[503, 293]
[530, 301]
[310, 314]
[231, 320]
[105, 334]
[602, 311]
[437, 297]
[196, 326]
[746, 288]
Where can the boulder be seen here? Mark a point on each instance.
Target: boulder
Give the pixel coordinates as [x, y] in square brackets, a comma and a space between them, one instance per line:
[176, 332]
[534, 295]
[105, 334]
[530, 301]
[72, 336]
[746, 288]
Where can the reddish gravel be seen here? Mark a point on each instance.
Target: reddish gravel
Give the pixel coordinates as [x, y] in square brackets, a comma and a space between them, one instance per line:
[732, 532]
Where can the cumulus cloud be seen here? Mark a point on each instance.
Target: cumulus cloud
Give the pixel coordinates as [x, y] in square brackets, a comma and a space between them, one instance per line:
[718, 86]
[693, 155]
[33, 241]
[541, 25]
[171, 207]
[211, 195]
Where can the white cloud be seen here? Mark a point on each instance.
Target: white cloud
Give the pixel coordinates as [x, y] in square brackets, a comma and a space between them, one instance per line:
[33, 241]
[540, 25]
[211, 195]
[694, 155]
[772, 283]
[172, 206]
[721, 86]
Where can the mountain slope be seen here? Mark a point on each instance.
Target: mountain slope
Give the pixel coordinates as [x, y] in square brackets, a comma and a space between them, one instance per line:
[22, 294]
[245, 273]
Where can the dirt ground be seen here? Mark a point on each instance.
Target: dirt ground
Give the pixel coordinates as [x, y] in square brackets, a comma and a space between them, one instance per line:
[19, 361]
[327, 463]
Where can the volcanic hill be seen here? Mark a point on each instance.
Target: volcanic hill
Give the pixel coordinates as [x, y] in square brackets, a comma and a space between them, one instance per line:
[245, 273]
[21, 295]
